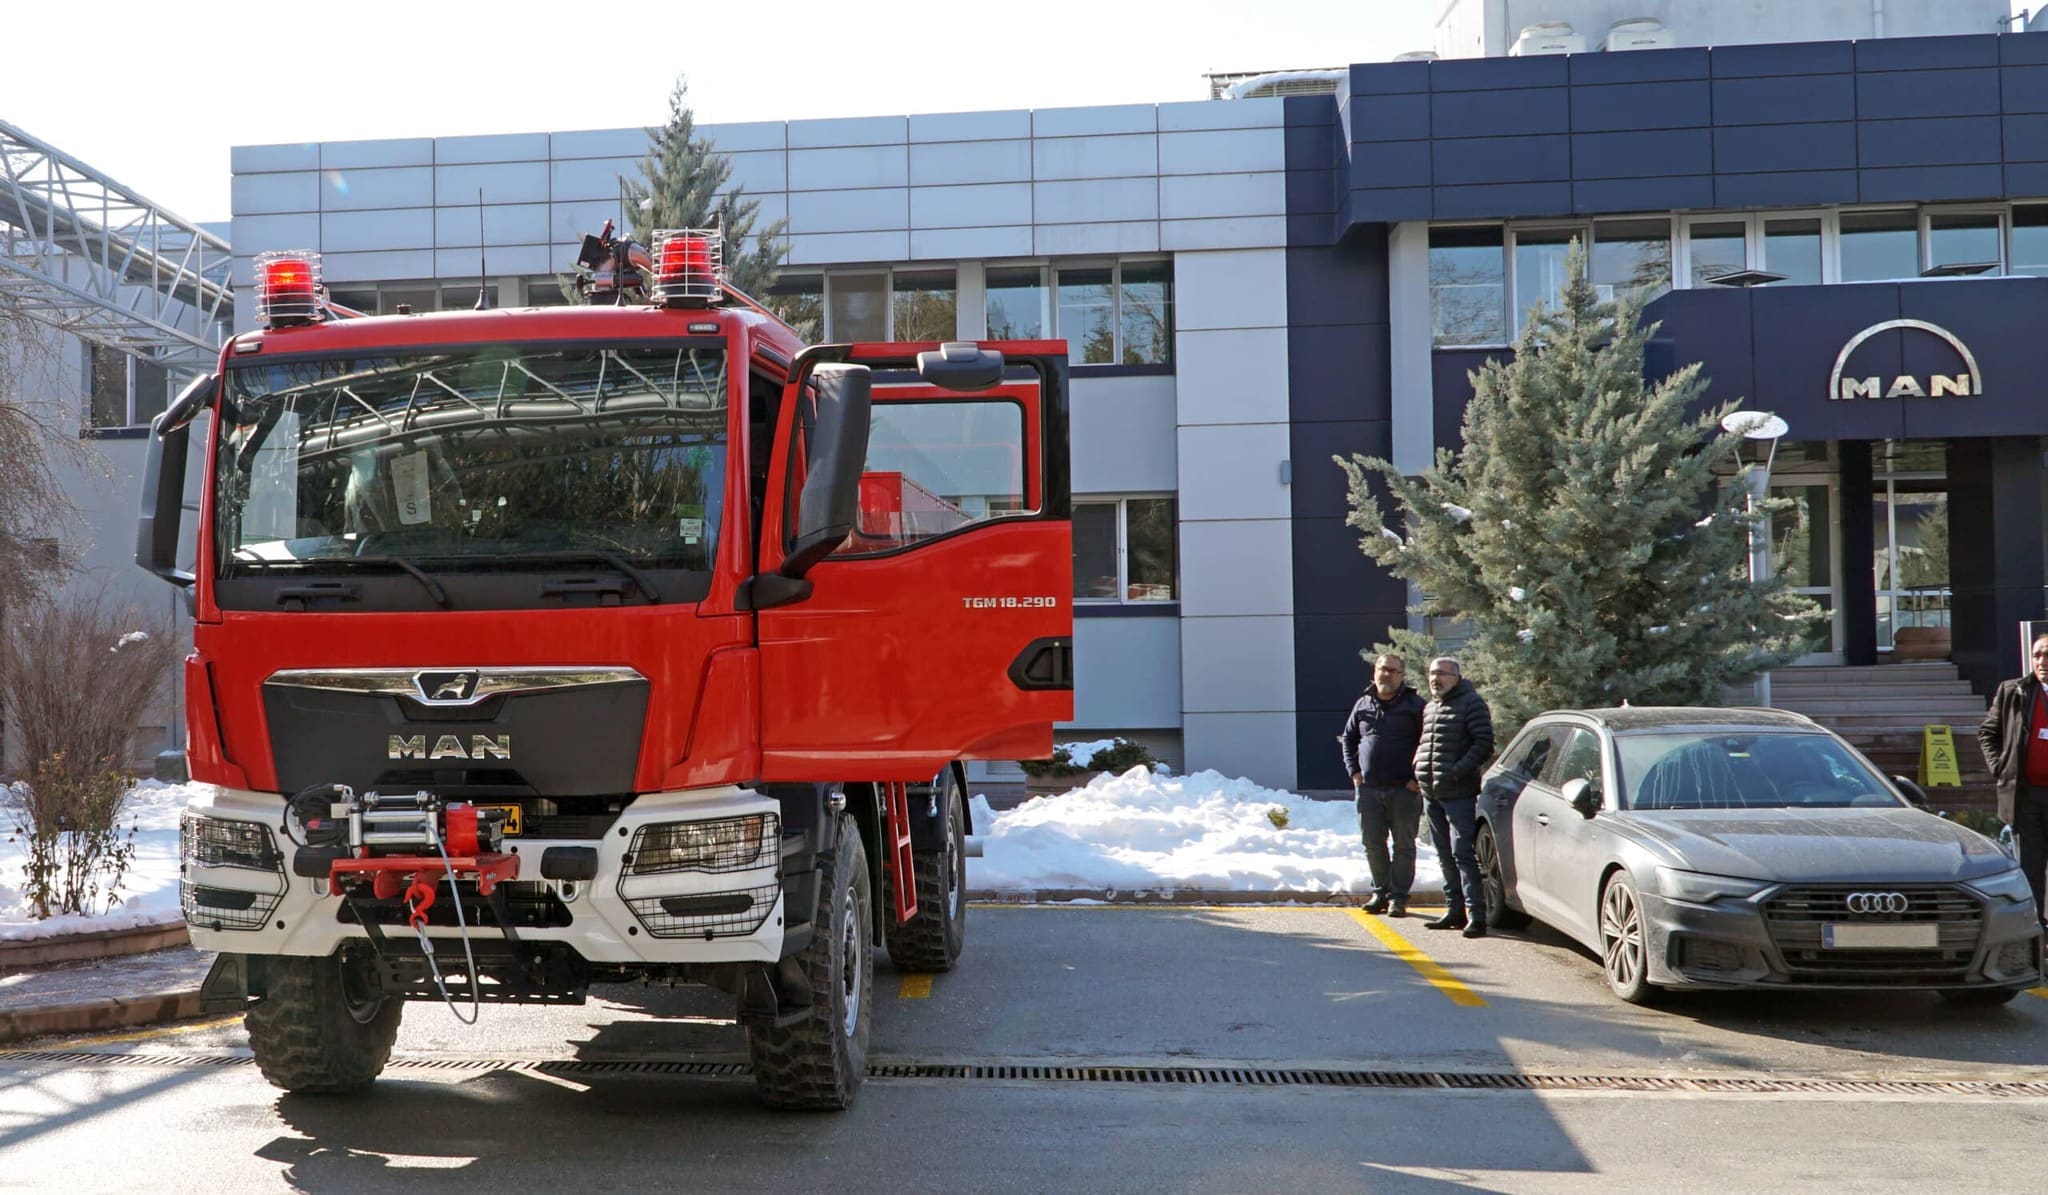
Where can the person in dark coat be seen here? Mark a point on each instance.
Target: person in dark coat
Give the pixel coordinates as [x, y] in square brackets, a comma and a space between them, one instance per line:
[1379, 742]
[1457, 740]
[2014, 737]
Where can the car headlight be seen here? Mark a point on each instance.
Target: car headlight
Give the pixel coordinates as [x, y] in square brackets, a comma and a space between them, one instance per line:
[2012, 885]
[723, 844]
[1700, 888]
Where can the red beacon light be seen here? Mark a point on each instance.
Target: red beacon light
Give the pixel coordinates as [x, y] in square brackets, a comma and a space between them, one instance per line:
[288, 289]
[689, 267]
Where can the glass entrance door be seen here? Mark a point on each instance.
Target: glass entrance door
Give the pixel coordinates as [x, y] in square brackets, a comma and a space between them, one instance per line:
[1803, 547]
[1909, 550]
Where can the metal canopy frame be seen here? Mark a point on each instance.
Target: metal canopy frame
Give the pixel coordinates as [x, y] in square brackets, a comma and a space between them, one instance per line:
[82, 253]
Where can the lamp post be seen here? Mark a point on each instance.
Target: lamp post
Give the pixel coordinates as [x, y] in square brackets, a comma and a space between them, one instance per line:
[1762, 429]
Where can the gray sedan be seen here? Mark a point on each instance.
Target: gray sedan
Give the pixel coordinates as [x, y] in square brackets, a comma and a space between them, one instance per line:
[1745, 848]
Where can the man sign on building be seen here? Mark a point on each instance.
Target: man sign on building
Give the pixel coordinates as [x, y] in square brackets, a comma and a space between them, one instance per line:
[1379, 742]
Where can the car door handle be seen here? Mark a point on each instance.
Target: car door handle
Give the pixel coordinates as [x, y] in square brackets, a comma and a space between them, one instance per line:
[1542, 819]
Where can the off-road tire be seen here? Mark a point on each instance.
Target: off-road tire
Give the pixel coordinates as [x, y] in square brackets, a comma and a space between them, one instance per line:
[1499, 915]
[818, 1063]
[932, 938]
[322, 1027]
[1978, 997]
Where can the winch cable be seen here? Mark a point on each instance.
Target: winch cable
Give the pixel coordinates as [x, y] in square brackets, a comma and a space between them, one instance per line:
[427, 944]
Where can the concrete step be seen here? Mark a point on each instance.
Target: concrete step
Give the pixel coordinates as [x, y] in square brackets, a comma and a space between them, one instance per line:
[1888, 689]
[1898, 723]
[1839, 673]
[1922, 710]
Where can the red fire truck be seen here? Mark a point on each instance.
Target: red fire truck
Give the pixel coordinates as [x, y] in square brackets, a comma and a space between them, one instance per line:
[538, 648]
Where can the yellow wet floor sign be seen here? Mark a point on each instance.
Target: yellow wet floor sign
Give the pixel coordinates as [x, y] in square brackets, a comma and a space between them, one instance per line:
[1938, 757]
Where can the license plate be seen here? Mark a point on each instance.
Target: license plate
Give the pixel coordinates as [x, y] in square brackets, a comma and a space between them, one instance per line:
[1924, 935]
[511, 817]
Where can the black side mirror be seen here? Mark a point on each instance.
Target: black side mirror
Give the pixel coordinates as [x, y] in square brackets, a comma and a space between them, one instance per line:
[163, 482]
[1580, 794]
[1912, 792]
[836, 452]
[961, 365]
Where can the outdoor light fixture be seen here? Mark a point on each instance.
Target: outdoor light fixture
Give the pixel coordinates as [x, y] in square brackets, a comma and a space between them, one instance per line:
[687, 266]
[1760, 432]
[288, 288]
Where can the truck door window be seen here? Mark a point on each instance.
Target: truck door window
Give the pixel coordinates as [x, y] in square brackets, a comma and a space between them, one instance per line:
[937, 467]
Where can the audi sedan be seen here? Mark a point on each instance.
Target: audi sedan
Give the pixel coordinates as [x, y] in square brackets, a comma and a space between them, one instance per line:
[1745, 848]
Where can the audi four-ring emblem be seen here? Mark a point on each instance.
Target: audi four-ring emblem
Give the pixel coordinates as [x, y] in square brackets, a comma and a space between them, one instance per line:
[1878, 902]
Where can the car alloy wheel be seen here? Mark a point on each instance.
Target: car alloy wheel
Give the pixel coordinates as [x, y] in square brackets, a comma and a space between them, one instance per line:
[1622, 951]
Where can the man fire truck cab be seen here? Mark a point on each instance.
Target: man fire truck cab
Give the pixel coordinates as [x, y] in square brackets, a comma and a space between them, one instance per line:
[541, 648]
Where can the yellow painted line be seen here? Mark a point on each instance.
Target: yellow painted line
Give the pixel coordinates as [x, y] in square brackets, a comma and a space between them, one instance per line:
[147, 1034]
[2041, 992]
[1442, 980]
[915, 987]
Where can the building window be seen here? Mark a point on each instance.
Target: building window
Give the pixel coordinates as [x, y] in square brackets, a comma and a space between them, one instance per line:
[463, 298]
[2029, 239]
[1467, 286]
[1879, 246]
[1964, 243]
[1087, 315]
[1145, 313]
[1124, 551]
[1716, 249]
[1540, 257]
[1631, 259]
[926, 306]
[123, 390]
[1016, 302]
[800, 300]
[1793, 247]
[1117, 314]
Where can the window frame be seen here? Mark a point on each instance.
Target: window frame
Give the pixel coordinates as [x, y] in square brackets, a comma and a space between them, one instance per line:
[132, 376]
[2000, 212]
[1122, 501]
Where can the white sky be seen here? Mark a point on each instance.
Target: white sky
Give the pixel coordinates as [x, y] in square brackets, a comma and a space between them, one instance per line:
[155, 94]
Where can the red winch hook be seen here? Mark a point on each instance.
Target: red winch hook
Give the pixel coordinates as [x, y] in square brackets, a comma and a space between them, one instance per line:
[418, 899]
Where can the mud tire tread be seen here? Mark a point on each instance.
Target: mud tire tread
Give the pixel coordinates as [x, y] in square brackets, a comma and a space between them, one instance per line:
[931, 940]
[813, 1065]
[304, 1039]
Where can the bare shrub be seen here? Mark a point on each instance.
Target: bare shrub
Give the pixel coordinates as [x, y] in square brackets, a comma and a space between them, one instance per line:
[34, 440]
[76, 673]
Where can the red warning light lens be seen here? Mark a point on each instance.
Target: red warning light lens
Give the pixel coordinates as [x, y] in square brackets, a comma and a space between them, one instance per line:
[687, 265]
[288, 288]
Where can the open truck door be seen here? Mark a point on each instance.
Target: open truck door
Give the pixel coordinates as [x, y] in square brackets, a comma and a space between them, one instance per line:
[917, 608]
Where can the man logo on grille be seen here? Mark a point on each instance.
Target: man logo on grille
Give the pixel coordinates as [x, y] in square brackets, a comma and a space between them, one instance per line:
[1878, 902]
[445, 688]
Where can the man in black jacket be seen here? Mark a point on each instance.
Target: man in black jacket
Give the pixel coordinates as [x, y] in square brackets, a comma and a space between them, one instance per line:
[2014, 738]
[1379, 743]
[1457, 740]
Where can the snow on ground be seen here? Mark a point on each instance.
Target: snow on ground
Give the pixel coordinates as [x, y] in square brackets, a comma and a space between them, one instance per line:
[1152, 831]
[1142, 831]
[149, 890]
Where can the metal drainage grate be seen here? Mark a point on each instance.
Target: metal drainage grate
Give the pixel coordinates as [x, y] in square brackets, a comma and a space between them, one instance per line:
[1151, 1075]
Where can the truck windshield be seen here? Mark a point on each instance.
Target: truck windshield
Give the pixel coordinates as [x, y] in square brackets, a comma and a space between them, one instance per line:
[486, 459]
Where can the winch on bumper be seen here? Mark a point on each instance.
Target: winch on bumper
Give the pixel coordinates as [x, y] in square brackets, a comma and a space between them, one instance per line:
[678, 878]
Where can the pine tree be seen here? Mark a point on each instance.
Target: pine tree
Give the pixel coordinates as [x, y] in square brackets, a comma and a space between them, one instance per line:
[684, 177]
[1584, 531]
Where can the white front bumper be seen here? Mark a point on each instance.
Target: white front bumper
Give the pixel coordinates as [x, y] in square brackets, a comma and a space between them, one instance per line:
[603, 928]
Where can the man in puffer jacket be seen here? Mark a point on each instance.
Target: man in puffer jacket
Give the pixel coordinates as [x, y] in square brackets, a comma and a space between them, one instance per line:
[1457, 740]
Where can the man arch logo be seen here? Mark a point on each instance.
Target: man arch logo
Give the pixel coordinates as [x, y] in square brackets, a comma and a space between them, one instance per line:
[1940, 385]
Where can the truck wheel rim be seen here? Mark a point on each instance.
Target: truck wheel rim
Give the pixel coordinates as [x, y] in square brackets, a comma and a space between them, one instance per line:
[1621, 931]
[853, 948]
[1489, 872]
[360, 993]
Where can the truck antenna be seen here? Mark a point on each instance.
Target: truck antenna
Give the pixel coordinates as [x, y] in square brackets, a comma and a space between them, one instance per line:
[483, 261]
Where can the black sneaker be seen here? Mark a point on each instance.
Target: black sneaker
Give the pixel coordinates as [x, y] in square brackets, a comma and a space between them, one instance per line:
[1378, 904]
[1476, 930]
[1453, 919]
[1398, 909]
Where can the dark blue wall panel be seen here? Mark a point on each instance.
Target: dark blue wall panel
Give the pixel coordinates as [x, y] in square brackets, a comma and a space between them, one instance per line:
[1640, 66]
[1391, 164]
[1511, 199]
[1595, 196]
[1962, 139]
[1926, 53]
[1500, 113]
[1389, 117]
[1800, 100]
[1767, 148]
[1493, 74]
[1642, 155]
[1470, 160]
[1681, 105]
[1928, 184]
[1891, 95]
[1784, 190]
[1798, 58]
[1350, 363]
[2026, 138]
[2023, 89]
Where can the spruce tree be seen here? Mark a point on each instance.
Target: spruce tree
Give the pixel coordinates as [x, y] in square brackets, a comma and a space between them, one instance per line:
[684, 176]
[1593, 535]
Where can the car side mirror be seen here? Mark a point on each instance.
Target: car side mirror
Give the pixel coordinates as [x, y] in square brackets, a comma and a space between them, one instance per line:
[829, 505]
[1912, 792]
[163, 482]
[1580, 794]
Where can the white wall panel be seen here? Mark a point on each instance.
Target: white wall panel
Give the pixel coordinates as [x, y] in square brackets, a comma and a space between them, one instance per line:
[838, 169]
[745, 136]
[459, 265]
[404, 228]
[569, 223]
[507, 224]
[758, 171]
[952, 244]
[580, 179]
[834, 247]
[1222, 151]
[1127, 672]
[1265, 112]
[359, 189]
[254, 159]
[353, 155]
[264, 194]
[1096, 201]
[849, 211]
[1090, 122]
[1231, 289]
[377, 267]
[971, 126]
[1258, 747]
[971, 162]
[848, 130]
[970, 206]
[1231, 232]
[1054, 240]
[1191, 197]
[494, 147]
[1243, 566]
[1095, 157]
[1232, 376]
[1122, 437]
[1242, 664]
[1232, 471]
[599, 143]
[500, 182]
[261, 234]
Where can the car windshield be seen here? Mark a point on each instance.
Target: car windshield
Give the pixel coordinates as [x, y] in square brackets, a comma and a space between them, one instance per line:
[475, 459]
[1745, 770]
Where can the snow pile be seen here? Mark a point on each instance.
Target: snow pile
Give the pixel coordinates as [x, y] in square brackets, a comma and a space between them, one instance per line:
[1143, 830]
[1081, 754]
[149, 889]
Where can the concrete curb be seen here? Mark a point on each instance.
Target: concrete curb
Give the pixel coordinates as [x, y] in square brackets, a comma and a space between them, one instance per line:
[99, 1016]
[141, 939]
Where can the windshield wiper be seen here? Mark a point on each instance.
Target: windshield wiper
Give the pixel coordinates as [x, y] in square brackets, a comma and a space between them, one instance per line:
[434, 589]
[641, 580]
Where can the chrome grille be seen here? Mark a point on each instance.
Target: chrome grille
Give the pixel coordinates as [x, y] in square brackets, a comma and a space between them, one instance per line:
[1795, 916]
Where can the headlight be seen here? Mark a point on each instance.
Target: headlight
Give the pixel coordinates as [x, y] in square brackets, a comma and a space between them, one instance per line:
[216, 842]
[726, 844]
[2012, 885]
[1700, 888]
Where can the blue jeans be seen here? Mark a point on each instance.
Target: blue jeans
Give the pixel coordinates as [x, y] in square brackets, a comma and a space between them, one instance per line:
[1385, 812]
[1453, 825]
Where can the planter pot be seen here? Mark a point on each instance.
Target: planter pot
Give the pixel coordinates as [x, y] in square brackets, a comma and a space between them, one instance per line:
[1920, 643]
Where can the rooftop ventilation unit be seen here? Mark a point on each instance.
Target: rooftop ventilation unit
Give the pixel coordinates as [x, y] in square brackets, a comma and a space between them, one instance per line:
[1416, 56]
[1547, 37]
[1640, 33]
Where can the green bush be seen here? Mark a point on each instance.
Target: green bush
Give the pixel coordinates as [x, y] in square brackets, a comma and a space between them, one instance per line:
[1120, 756]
